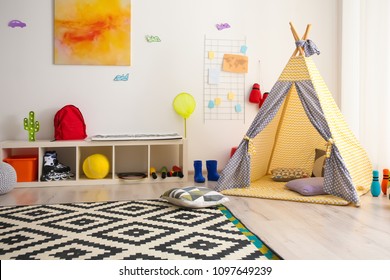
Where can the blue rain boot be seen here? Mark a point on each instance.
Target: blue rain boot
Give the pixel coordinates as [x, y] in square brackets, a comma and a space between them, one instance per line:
[198, 177]
[212, 174]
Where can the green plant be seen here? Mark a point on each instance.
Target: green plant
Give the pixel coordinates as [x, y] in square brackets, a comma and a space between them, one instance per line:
[31, 126]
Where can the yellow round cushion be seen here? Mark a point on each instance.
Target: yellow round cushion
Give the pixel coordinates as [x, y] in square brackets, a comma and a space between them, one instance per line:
[96, 166]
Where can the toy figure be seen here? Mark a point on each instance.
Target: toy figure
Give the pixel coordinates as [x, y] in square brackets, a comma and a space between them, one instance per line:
[164, 172]
[153, 172]
[177, 172]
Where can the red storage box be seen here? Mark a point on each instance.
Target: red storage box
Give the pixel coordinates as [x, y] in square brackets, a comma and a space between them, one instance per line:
[26, 167]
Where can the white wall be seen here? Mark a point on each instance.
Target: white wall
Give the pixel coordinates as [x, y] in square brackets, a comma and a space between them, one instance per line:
[30, 81]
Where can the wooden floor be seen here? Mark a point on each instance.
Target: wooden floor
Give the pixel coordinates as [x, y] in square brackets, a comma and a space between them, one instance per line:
[296, 231]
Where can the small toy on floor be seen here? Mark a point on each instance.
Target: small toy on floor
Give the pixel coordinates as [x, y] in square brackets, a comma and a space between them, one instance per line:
[375, 185]
[385, 181]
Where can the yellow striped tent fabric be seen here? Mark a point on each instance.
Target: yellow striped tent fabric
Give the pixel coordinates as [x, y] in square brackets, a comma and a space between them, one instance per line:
[297, 138]
[355, 157]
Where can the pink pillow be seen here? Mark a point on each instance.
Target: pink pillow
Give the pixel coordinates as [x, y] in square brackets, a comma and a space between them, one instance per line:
[307, 186]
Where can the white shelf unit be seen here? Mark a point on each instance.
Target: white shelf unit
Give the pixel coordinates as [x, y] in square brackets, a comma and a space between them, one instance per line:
[123, 156]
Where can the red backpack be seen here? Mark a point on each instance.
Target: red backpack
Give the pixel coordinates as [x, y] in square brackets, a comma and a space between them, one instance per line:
[69, 124]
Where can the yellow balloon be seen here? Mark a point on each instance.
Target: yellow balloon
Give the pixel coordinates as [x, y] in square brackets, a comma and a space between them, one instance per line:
[184, 104]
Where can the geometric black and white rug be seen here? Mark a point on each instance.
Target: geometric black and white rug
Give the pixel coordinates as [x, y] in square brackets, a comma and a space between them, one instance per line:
[125, 230]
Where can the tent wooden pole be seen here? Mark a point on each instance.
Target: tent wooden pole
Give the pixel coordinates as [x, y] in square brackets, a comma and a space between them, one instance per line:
[296, 37]
[294, 32]
[308, 27]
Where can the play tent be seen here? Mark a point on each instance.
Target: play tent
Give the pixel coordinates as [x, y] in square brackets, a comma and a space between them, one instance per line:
[298, 117]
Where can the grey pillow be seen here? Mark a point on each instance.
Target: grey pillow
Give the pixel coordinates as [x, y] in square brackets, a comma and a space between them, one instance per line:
[307, 186]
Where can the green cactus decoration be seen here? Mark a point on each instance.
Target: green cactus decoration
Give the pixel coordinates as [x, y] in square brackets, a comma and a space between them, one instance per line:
[31, 126]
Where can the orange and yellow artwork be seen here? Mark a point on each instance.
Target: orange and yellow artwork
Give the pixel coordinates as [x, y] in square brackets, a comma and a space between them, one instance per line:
[92, 32]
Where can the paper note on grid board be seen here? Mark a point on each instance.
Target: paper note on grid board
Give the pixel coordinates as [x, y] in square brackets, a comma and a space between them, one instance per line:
[214, 76]
[235, 63]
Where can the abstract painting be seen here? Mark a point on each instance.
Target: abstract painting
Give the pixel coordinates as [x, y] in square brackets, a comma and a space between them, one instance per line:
[92, 32]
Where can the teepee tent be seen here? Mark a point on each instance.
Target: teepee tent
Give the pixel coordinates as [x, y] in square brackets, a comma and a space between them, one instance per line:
[299, 117]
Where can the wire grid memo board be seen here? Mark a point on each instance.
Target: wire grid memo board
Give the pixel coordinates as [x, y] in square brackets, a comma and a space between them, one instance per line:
[224, 92]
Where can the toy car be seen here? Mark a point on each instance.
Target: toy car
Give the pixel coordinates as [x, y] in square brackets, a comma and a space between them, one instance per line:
[16, 23]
